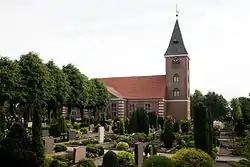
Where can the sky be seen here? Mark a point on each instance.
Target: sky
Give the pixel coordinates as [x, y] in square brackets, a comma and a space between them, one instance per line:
[109, 38]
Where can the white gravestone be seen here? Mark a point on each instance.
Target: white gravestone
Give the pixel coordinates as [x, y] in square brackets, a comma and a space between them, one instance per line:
[101, 134]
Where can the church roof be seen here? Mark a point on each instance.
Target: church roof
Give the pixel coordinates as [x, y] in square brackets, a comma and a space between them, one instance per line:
[176, 45]
[137, 87]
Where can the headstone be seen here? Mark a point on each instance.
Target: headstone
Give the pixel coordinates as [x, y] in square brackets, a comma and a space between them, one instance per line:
[154, 136]
[136, 138]
[79, 153]
[109, 128]
[45, 133]
[139, 154]
[29, 124]
[44, 125]
[101, 134]
[72, 134]
[48, 144]
[151, 152]
[91, 127]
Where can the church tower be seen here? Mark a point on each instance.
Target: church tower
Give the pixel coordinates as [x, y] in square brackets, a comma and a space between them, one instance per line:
[177, 72]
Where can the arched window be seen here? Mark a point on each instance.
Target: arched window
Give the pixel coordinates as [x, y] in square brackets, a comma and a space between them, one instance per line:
[176, 78]
[176, 92]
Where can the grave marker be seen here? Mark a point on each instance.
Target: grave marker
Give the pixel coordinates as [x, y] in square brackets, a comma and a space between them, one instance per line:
[79, 154]
[91, 127]
[101, 135]
[138, 154]
[45, 133]
[48, 144]
[72, 134]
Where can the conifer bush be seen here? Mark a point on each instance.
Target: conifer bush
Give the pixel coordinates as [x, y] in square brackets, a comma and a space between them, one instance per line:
[139, 122]
[122, 146]
[86, 163]
[185, 126]
[158, 161]
[125, 159]
[190, 157]
[167, 136]
[110, 160]
[176, 127]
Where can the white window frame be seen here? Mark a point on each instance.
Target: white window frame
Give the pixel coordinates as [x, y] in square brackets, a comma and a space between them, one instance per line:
[176, 92]
[148, 107]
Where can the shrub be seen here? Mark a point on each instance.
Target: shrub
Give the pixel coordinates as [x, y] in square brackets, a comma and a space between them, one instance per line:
[121, 127]
[101, 150]
[160, 121]
[147, 149]
[89, 141]
[47, 160]
[139, 122]
[125, 159]
[60, 148]
[84, 130]
[76, 125]
[69, 126]
[110, 160]
[185, 126]
[86, 163]
[176, 127]
[189, 157]
[57, 163]
[158, 161]
[95, 150]
[127, 139]
[122, 146]
[167, 136]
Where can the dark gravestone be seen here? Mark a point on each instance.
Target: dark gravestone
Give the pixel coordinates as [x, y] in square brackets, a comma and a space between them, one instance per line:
[72, 134]
[136, 138]
[45, 133]
[139, 154]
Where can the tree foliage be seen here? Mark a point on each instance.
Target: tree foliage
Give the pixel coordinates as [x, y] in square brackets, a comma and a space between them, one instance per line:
[139, 122]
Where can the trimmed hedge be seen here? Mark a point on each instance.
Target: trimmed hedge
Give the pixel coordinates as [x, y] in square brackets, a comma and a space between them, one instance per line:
[158, 161]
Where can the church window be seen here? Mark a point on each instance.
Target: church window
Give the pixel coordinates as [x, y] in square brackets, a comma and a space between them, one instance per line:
[176, 92]
[113, 109]
[176, 78]
[132, 108]
[147, 107]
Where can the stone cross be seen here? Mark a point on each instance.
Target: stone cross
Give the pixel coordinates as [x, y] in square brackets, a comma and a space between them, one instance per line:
[48, 144]
[72, 134]
[138, 154]
[151, 152]
[101, 134]
[79, 153]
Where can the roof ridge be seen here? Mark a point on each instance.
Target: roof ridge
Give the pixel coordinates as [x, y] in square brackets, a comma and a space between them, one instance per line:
[131, 76]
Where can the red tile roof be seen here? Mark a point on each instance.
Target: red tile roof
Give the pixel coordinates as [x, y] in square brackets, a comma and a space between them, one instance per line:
[137, 87]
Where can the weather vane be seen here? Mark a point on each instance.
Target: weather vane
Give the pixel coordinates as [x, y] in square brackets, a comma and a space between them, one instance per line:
[177, 11]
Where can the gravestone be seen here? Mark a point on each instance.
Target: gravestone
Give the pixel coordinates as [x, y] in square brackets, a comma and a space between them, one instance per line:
[44, 125]
[48, 144]
[109, 128]
[91, 127]
[151, 152]
[45, 133]
[72, 134]
[136, 137]
[154, 136]
[101, 134]
[29, 124]
[138, 154]
[79, 153]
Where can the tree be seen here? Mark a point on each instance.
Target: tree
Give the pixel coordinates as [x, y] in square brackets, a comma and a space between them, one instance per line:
[35, 79]
[139, 122]
[203, 128]
[245, 109]
[196, 98]
[236, 109]
[217, 105]
[103, 96]
[167, 136]
[152, 119]
[61, 88]
[10, 88]
[75, 81]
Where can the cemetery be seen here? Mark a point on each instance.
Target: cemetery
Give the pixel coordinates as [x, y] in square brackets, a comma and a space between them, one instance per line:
[128, 143]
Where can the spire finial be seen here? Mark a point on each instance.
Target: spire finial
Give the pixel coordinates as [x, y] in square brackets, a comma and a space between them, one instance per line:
[177, 11]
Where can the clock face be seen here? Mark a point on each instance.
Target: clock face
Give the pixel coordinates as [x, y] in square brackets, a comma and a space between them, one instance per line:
[176, 60]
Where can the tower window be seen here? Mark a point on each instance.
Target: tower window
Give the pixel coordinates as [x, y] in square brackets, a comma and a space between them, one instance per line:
[176, 92]
[176, 78]
[147, 107]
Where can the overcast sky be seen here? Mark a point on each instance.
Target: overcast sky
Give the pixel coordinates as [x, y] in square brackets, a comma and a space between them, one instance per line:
[107, 38]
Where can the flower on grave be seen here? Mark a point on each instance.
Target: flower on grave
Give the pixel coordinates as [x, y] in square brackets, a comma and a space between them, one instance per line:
[218, 125]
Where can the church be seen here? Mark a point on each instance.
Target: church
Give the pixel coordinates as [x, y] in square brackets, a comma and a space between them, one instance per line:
[167, 94]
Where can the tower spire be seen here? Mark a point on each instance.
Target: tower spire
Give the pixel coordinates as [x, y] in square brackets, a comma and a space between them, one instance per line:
[176, 11]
